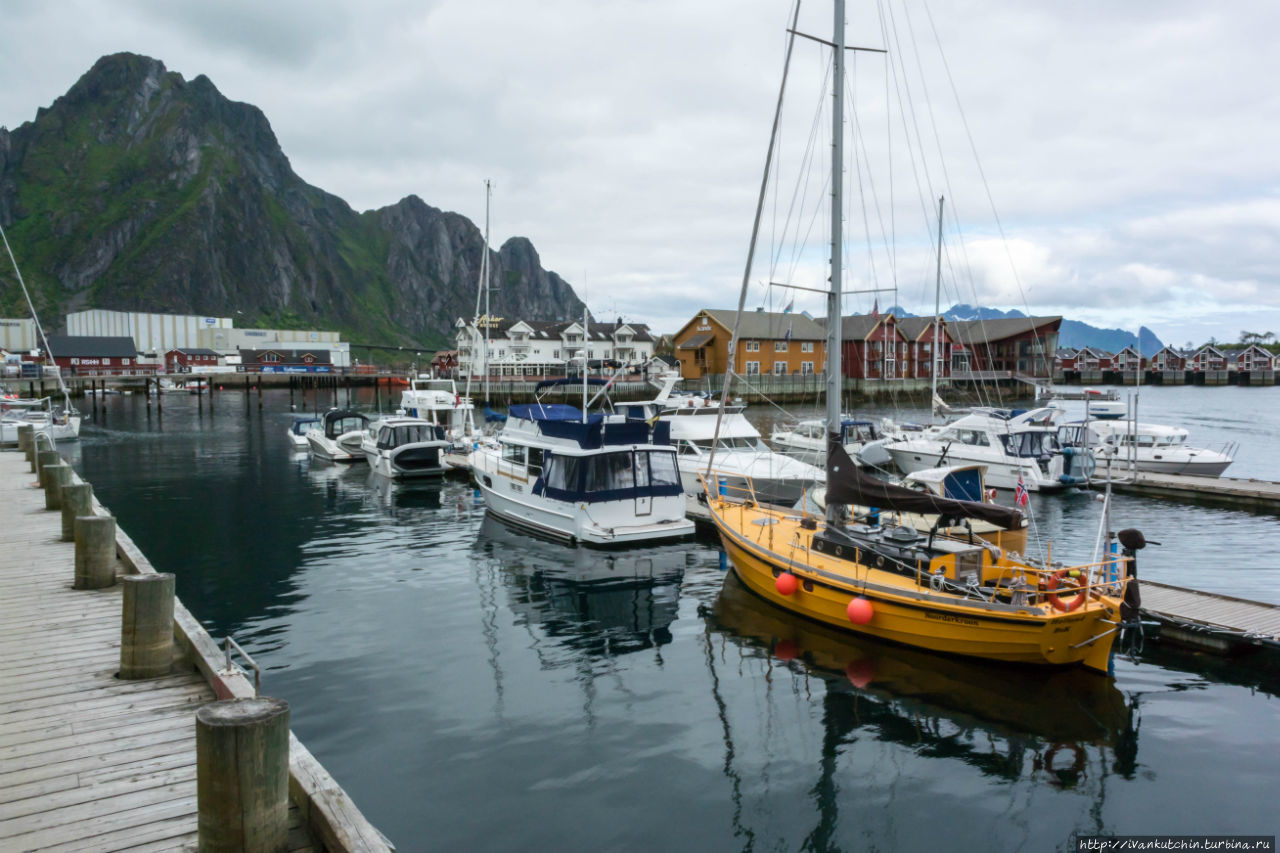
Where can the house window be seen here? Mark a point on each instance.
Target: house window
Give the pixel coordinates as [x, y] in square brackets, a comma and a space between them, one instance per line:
[779, 368]
[806, 367]
[779, 346]
[753, 368]
[806, 346]
[753, 346]
[272, 357]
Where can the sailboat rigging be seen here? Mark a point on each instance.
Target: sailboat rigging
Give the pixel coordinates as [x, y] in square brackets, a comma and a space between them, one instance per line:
[951, 594]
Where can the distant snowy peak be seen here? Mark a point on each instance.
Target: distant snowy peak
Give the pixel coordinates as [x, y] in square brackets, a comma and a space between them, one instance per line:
[1073, 334]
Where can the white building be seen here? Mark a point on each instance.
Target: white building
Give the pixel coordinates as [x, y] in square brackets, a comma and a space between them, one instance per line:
[161, 333]
[540, 348]
[18, 335]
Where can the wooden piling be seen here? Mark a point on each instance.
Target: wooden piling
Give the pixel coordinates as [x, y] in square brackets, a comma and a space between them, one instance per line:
[56, 476]
[242, 775]
[26, 435]
[146, 625]
[95, 537]
[77, 500]
[43, 458]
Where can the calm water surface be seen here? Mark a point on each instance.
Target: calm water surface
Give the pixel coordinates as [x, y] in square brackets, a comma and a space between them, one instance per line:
[475, 688]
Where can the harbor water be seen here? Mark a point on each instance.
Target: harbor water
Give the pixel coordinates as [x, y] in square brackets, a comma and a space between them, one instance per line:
[473, 687]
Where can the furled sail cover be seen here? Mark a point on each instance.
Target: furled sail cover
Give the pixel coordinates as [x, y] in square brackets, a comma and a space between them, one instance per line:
[849, 484]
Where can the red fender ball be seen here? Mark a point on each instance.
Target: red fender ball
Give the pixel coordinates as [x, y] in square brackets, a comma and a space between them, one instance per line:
[785, 584]
[860, 611]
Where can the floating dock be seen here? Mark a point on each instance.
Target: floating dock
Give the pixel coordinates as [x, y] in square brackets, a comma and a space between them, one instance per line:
[1207, 620]
[89, 761]
[1255, 495]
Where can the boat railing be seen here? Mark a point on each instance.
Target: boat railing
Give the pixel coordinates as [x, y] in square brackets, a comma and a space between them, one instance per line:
[730, 486]
[1103, 577]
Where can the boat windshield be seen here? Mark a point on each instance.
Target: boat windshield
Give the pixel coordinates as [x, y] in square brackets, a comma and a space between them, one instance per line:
[341, 426]
[741, 442]
[396, 436]
[612, 476]
[1033, 444]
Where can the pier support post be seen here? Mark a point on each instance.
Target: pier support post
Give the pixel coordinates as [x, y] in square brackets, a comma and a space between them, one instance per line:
[43, 459]
[26, 435]
[146, 625]
[56, 476]
[242, 775]
[77, 500]
[95, 551]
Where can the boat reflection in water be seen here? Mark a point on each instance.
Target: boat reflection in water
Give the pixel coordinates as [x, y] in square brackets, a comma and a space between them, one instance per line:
[1068, 728]
[395, 495]
[603, 603]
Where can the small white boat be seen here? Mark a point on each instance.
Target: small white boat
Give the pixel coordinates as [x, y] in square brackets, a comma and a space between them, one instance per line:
[1015, 446]
[807, 440]
[591, 479]
[438, 401]
[297, 432]
[339, 436]
[1154, 448]
[1098, 406]
[404, 447]
[58, 424]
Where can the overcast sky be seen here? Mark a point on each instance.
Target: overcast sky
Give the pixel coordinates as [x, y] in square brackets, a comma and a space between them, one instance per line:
[1129, 150]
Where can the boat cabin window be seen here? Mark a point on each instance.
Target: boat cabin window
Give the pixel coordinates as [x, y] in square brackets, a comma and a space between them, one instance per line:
[396, 436]
[974, 437]
[862, 432]
[562, 473]
[513, 453]
[620, 475]
[812, 431]
[662, 469]
[341, 426]
[535, 461]
[1030, 444]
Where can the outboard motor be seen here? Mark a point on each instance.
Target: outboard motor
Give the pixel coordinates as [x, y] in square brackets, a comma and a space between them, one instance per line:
[1132, 541]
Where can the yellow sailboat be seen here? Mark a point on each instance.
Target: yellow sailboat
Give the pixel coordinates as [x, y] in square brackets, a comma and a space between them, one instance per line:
[963, 596]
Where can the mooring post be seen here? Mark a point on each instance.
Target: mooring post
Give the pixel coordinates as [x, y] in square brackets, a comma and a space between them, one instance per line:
[56, 476]
[209, 384]
[259, 392]
[146, 625]
[95, 551]
[242, 775]
[25, 434]
[77, 500]
[44, 458]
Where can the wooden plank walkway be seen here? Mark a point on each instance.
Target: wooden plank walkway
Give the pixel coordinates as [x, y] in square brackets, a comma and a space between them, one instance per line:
[1257, 495]
[87, 761]
[1210, 620]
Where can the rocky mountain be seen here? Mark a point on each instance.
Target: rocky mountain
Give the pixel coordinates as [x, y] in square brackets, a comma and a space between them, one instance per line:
[139, 190]
[1073, 333]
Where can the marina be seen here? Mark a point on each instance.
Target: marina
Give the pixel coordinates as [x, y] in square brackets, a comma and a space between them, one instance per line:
[473, 647]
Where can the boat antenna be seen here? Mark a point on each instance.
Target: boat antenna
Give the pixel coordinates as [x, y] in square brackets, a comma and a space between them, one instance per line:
[835, 320]
[485, 279]
[48, 354]
[937, 316]
[755, 233]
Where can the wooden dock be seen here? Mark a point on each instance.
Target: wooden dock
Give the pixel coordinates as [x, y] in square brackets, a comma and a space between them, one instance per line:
[1255, 495]
[91, 762]
[1211, 621]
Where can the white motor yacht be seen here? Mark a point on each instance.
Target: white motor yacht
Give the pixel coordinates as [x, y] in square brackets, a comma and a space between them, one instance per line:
[592, 479]
[438, 401]
[404, 447]
[1154, 448]
[862, 438]
[1015, 446]
[741, 454]
[339, 436]
[60, 425]
[297, 432]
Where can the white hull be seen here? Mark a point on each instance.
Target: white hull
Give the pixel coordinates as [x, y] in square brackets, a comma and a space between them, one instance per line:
[1211, 466]
[346, 448]
[601, 523]
[1001, 474]
[384, 463]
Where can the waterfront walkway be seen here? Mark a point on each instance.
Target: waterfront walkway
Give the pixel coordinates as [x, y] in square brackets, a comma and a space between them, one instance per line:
[87, 761]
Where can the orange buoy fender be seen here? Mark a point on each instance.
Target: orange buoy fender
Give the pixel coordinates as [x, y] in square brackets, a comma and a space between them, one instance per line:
[1072, 578]
[860, 611]
[785, 584]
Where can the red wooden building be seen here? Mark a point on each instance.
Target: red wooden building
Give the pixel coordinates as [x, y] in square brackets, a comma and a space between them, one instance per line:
[873, 347]
[1014, 345]
[82, 355]
[187, 359]
[920, 335]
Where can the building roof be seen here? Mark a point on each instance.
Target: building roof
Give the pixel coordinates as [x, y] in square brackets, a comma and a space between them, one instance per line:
[288, 356]
[770, 325]
[913, 328]
[985, 331]
[860, 327]
[86, 346]
[546, 330]
[194, 351]
[698, 341]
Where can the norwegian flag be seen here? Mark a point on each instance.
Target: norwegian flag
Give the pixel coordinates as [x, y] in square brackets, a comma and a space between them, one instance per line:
[1020, 496]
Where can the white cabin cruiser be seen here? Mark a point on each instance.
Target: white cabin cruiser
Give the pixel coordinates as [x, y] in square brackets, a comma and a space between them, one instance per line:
[1155, 448]
[60, 425]
[439, 402]
[404, 447]
[862, 438]
[593, 479]
[338, 436]
[297, 432]
[1014, 445]
[741, 454]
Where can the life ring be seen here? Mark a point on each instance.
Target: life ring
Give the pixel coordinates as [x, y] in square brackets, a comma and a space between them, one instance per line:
[1073, 577]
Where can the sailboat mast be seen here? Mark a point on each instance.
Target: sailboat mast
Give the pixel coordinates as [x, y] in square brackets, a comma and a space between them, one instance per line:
[834, 315]
[586, 356]
[937, 314]
[484, 273]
